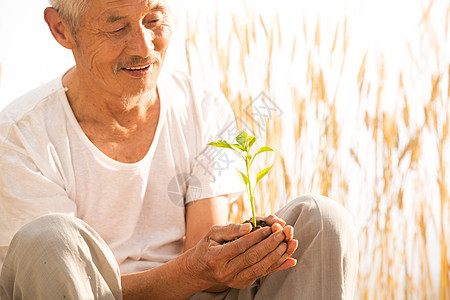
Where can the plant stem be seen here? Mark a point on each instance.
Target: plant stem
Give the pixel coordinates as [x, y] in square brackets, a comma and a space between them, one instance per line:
[250, 194]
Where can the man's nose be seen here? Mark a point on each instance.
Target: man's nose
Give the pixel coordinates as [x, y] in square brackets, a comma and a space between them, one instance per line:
[140, 42]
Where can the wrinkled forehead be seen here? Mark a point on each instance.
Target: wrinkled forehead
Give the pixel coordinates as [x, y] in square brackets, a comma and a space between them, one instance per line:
[109, 11]
[108, 5]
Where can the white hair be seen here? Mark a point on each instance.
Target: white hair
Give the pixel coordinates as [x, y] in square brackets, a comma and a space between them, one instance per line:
[71, 11]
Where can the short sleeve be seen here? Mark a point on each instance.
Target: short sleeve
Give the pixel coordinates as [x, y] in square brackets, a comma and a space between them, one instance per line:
[214, 169]
[26, 192]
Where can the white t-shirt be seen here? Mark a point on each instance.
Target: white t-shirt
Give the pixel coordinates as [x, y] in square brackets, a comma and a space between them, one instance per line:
[47, 164]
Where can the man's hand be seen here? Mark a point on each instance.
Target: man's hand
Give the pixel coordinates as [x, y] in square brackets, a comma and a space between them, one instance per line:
[292, 244]
[239, 263]
[214, 265]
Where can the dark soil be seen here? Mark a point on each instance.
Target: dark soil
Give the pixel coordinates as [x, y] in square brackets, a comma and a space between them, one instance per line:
[259, 224]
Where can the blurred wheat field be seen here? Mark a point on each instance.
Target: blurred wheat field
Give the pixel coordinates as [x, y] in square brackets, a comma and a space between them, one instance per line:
[358, 96]
[363, 123]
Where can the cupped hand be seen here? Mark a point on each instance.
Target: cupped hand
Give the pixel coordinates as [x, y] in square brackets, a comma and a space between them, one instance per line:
[292, 244]
[239, 263]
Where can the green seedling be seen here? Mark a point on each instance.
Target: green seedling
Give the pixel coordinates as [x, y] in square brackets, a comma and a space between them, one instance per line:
[242, 147]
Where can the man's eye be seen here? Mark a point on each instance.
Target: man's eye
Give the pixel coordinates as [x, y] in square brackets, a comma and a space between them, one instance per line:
[154, 21]
[154, 18]
[112, 31]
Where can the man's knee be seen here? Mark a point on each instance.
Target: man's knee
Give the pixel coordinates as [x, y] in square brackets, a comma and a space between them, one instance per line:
[63, 256]
[33, 249]
[49, 230]
[316, 215]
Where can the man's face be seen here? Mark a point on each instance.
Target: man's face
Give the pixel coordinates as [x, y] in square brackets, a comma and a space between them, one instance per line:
[121, 44]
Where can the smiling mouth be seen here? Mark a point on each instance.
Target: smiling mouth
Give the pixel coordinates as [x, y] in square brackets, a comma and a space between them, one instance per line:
[138, 71]
[137, 68]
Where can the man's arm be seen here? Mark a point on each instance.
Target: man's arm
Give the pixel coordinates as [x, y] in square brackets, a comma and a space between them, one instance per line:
[203, 214]
[207, 263]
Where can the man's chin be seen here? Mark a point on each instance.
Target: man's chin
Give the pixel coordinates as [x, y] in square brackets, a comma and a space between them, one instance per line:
[136, 86]
[141, 91]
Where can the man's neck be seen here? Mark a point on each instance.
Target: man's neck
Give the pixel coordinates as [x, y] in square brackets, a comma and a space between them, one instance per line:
[122, 128]
[89, 103]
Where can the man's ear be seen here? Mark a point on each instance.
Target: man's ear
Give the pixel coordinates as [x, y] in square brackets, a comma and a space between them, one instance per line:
[59, 28]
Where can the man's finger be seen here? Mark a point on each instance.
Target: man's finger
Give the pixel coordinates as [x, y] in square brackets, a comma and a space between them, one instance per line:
[288, 232]
[271, 219]
[262, 267]
[288, 263]
[292, 246]
[221, 234]
[244, 243]
[258, 251]
[276, 227]
[283, 264]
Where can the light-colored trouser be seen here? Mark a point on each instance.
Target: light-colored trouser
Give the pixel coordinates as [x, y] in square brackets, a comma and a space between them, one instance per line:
[327, 256]
[65, 257]
[59, 257]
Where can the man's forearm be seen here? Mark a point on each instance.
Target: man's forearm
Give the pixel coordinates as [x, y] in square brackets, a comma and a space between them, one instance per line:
[173, 280]
[213, 263]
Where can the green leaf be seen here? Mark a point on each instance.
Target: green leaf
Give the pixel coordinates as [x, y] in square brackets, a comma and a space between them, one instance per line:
[263, 149]
[243, 177]
[220, 144]
[262, 173]
[238, 146]
[242, 138]
[252, 140]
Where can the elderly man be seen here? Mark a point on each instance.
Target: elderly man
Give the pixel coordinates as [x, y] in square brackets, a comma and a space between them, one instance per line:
[89, 165]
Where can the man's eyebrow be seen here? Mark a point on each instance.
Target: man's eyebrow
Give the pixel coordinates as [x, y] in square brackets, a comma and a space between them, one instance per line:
[158, 5]
[114, 18]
